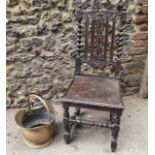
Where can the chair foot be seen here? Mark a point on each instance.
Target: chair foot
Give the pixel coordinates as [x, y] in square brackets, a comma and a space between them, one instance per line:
[113, 145]
[77, 111]
[115, 132]
[67, 138]
[66, 125]
[115, 118]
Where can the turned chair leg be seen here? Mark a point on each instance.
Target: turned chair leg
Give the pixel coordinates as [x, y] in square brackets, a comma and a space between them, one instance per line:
[111, 117]
[66, 125]
[76, 114]
[115, 130]
[77, 111]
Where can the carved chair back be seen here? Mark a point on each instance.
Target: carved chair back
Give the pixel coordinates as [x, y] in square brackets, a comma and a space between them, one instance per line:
[99, 37]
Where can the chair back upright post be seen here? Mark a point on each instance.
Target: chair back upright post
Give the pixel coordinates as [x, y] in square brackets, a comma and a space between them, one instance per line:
[78, 41]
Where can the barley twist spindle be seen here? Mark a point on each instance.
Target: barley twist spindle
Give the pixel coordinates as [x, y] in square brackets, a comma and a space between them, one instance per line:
[78, 41]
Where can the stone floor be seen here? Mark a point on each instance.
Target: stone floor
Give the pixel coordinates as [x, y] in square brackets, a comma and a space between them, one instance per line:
[89, 140]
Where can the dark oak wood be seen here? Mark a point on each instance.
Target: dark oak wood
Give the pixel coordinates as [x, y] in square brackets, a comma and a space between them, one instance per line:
[93, 89]
[92, 36]
[115, 130]
[106, 38]
[100, 36]
[66, 125]
[86, 36]
[112, 40]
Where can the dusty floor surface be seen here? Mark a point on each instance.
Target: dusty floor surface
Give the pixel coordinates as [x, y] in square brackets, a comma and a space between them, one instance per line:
[89, 140]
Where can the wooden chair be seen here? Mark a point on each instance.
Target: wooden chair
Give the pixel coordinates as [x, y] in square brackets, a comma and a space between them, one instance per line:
[99, 44]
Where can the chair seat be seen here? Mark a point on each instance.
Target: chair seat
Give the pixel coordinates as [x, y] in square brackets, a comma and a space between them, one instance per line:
[97, 91]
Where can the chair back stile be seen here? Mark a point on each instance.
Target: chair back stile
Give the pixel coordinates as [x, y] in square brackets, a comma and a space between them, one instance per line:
[78, 43]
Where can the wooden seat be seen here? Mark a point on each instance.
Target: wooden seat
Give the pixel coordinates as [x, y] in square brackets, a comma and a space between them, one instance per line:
[95, 90]
[99, 46]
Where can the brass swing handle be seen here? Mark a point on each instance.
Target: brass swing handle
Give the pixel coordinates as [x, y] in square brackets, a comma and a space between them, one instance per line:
[49, 108]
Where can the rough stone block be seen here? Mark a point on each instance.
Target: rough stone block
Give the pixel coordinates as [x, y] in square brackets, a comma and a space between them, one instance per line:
[17, 22]
[143, 27]
[138, 9]
[62, 7]
[56, 25]
[129, 28]
[13, 106]
[47, 54]
[39, 2]
[139, 57]
[145, 9]
[140, 19]
[135, 67]
[38, 42]
[50, 43]
[26, 43]
[133, 79]
[128, 19]
[8, 101]
[141, 43]
[26, 57]
[42, 30]
[33, 20]
[54, 1]
[140, 36]
[137, 50]
[27, 32]
[144, 84]
[44, 84]
[132, 89]
[12, 3]
[131, 8]
[35, 65]
[12, 32]
[21, 12]
[139, 2]
[10, 49]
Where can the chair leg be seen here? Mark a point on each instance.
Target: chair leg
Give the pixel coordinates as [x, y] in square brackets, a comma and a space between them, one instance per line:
[76, 115]
[115, 130]
[111, 117]
[66, 125]
[77, 111]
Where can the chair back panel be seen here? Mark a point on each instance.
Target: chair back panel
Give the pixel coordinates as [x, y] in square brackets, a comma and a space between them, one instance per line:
[99, 37]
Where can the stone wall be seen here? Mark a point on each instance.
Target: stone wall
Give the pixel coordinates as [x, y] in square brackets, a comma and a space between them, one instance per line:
[41, 43]
[137, 48]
